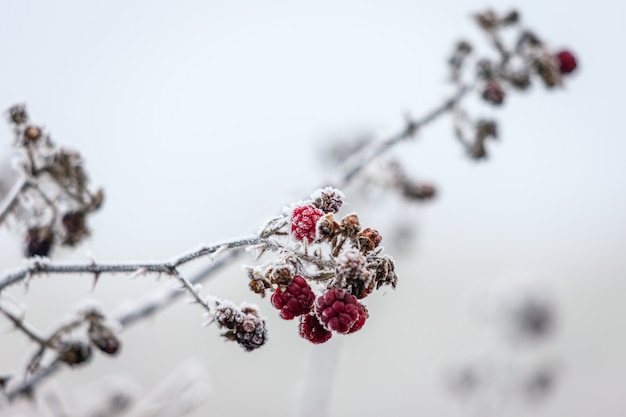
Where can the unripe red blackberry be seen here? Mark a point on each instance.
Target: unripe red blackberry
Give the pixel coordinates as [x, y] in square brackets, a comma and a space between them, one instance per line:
[303, 222]
[312, 330]
[567, 62]
[337, 310]
[39, 241]
[295, 299]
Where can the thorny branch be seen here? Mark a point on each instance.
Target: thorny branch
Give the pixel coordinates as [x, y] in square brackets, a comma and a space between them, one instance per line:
[65, 170]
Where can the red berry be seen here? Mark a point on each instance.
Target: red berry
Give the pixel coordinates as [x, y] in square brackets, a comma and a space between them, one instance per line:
[296, 299]
[337, 310]
[360, 321]
[312, 330]
[566, 61]
[303, 222]
[493, 93]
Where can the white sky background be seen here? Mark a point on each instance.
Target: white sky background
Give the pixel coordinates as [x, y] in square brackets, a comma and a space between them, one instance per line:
[201, 119]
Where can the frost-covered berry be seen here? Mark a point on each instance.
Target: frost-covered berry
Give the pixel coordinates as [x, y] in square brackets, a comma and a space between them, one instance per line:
[295, 299]
[360, 321]
[337, 310]
[39, 241]
[567, 62]
[352, 272]
[245, 325]
[312, 330]
[303, 222]
[328, 199]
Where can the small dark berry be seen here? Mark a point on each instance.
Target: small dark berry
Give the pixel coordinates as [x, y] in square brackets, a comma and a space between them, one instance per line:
[39, 241]
[493, 93]
[104, 339]
[75, 227]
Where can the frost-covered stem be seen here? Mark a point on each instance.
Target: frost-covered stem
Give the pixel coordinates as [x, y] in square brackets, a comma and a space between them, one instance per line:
[26, 388]
[11, 199]
[362, 158]
[193, 291]
[158, 300]
[24, 328]
[154, 302]
[43, 266]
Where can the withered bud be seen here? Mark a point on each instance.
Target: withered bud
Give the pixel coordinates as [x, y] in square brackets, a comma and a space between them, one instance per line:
[259, 286]
[281, 275]
[477, 150]
[104, 338]
[369, 239]
[329, 199]
[493, 93]
[385, 271]
[486, 128]
[464, 47]
[487, 20]
[528, 38]
[32, 134]
[18, 114]
[350, 225]
[415, 191]
[484, 69]
[75, 227]
[97, 199]
[548, 71]
[519, 80]
[327, 227]
[39, 241]
[75, 353]
[510, 18]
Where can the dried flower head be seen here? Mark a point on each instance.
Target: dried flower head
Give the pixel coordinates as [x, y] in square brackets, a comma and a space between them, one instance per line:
[369, 239]
[353, 274]
[18, 114]
[328, 199]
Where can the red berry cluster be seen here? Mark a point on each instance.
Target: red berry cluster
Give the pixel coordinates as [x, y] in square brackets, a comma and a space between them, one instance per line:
[335, 311]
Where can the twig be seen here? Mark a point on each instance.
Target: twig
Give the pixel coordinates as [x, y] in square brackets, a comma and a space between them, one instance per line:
[43, 266]
[8, 203]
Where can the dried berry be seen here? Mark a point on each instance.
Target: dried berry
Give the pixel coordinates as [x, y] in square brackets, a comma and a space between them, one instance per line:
[566, 61]
[369, 239]
[17, 114]
[295, 299]
[493, 93]
[337, 310]
[312, 330]
[32, 134]
[303, 222]
[75, 353]
[104, 339]
[329, 199]
[75, 227]
[416, 191]
[39, 241]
